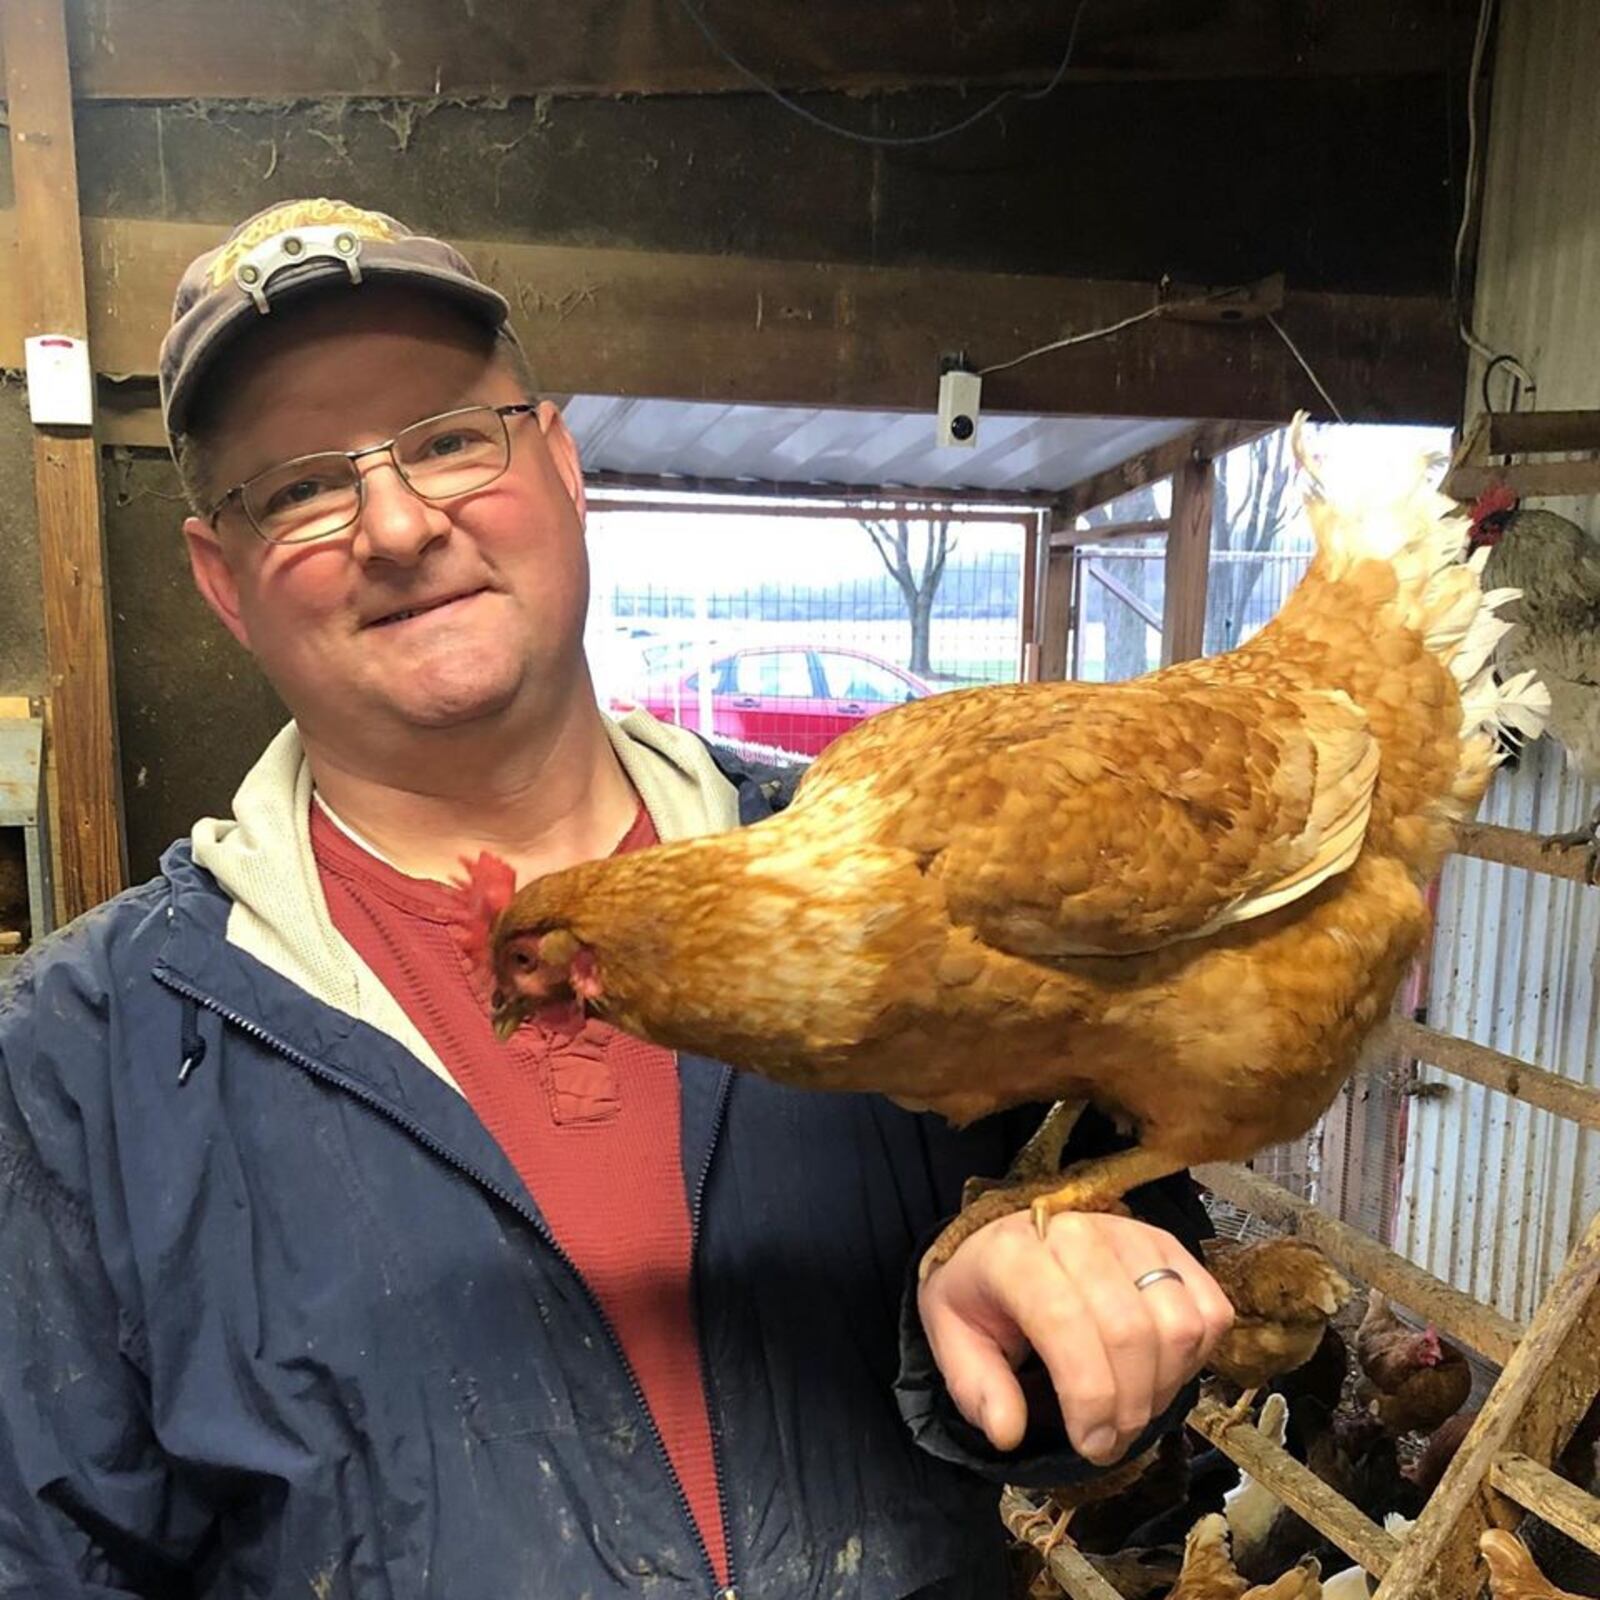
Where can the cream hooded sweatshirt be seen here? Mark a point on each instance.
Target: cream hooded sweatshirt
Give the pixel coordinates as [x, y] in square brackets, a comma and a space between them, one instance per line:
[262, 858]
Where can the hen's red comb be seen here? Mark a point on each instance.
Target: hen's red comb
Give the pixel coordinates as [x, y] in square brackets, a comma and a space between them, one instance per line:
[484, 893]
[1496, 498]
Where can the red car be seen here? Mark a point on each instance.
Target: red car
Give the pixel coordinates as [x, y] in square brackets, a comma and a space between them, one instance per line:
[796, 697]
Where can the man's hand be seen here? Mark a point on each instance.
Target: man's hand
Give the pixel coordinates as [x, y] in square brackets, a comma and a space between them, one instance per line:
[1116, 1355]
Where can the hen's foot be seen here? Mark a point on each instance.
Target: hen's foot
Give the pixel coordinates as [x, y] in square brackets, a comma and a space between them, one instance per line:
[1040, 1157]
[1046, 1516]
[1099, 1185]
[1243, 1409]
[1002, 1200]
[1587, 839]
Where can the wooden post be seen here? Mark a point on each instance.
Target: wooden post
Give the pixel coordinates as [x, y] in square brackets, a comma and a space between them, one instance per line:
[1035, 541]
[1055, 624]
[66, 465]
[1183, 627]
[1530, 1413]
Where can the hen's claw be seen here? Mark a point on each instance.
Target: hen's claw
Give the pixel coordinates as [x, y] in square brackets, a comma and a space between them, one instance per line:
[1000, 1200]
[1587, 839]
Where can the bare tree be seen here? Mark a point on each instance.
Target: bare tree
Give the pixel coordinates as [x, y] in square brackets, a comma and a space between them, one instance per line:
[918, 581]
[1248, 522]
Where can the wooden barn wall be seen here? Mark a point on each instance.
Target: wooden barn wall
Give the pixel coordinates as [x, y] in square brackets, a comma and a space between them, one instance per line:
[22, 660]
[1347, 182]
[1496, 1193]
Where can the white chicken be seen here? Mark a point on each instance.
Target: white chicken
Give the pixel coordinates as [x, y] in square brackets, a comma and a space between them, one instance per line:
[1250, 1506]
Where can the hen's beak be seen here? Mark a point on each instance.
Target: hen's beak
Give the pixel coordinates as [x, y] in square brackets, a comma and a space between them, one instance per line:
[507, 1017]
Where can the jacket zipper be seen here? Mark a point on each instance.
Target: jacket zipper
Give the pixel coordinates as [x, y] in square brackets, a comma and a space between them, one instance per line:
[325, 1074]
[707, 1381]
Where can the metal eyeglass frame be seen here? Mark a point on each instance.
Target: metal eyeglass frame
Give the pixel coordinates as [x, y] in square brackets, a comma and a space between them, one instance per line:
[522, 408]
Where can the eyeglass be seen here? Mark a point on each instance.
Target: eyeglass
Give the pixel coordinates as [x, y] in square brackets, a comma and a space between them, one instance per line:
[439, 458]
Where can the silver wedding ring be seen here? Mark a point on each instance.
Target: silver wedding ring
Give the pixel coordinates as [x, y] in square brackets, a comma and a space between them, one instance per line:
[1157, 1275]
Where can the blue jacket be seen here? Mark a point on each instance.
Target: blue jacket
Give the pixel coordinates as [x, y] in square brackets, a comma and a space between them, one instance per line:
[280, 1319]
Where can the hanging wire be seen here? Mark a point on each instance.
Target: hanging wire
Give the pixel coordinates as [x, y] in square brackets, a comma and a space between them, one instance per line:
[1306, 367]
[888, 140]
[1464, 327]
[1075, 338]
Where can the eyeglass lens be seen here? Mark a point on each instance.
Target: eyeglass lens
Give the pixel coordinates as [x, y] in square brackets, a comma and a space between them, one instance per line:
[439, 458]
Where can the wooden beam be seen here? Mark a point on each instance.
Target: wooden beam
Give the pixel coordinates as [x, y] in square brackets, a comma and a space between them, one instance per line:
[1544, 432]
[1188, 562]
[1297, 1486]
[1076, 538]
[1065, 1561]
[1521, 1080]
[739, 328]
[172, 49]
[1563, 1505]
[1514, 847]
[48, 297]
[1203, 442]
[1547, 1385]
[1496, 446]
[1035, 540]
[1137, 604]
[1465, 1320]
[1055, 623]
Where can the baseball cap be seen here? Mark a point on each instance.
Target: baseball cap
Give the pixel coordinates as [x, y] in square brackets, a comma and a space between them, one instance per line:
[290, 250]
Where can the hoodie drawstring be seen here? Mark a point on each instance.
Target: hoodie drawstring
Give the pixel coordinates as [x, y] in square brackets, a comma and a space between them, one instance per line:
[193, 1046]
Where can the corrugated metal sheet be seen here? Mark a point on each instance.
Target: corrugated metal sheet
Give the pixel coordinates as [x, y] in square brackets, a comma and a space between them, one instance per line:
[882, 448]
[1496, 1194]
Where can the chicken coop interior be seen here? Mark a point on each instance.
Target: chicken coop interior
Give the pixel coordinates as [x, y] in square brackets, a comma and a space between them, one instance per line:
[744, 248]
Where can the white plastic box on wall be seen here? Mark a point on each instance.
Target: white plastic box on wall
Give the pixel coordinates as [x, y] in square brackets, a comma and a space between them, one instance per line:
[60, 382]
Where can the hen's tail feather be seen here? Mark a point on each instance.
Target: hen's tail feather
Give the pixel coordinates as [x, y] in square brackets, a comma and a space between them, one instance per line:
[1422, 536]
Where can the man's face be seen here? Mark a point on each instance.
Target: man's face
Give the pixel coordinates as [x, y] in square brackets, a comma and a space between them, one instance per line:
[350, 370]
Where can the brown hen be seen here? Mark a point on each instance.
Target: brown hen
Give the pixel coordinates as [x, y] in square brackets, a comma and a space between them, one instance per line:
[1283, 1292]
[1512, 1573]
[1414, 1382]
[1208, 1572]
[1186, 898]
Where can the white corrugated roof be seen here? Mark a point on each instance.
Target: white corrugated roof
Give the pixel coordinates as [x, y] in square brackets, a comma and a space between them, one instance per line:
[883, 449]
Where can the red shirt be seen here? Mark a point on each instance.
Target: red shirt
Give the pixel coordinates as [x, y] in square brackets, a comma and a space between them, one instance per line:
[592, 1124]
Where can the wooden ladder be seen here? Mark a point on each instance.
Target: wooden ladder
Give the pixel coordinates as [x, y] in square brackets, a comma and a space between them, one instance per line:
[1551, 1373]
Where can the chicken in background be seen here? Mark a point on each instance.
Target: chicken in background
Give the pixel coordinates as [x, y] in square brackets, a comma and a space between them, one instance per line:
[1556, 566]
[1108, 1522]
[1352, 1455]
[1250, 1507]
[1563, 1559]
[1137, 1574]
[1571, 1565]
[1413, 1381]
[1512, 1573]
[1283, 1292]
[1209, 1573]
[1298, 1583]
[1062, 1506]
[1441, 1449]
[1186, 898]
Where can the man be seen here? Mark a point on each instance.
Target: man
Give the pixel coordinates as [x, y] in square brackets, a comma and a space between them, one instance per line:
[312, 1287]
